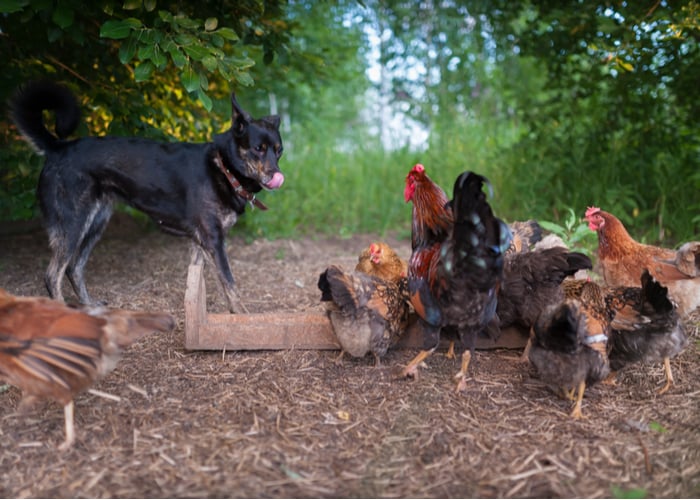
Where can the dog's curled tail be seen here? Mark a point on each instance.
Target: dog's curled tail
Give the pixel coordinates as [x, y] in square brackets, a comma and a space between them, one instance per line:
[28, 104]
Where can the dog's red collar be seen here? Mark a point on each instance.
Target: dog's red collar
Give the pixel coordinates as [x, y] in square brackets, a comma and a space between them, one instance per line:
[240, 190]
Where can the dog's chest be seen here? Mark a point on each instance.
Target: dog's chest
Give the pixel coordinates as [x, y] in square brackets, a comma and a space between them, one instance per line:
[228, 219]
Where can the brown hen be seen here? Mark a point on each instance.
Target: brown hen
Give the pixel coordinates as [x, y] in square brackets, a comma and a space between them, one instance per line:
[380, 260]
[622, 259]
[50, 350]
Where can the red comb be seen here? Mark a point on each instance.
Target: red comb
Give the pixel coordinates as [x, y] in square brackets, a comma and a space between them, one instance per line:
[418, 168]
[373, 248]
[592, 210]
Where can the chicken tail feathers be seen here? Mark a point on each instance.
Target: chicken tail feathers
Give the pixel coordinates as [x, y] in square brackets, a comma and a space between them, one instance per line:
[557, 329]
[325, 287]
[339, 287]
[577, 261]
[655, 294]
[126, 327]
[480, 239]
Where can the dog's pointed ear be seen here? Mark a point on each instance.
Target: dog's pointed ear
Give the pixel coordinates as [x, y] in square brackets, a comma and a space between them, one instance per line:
[273, 120]
[239, 118]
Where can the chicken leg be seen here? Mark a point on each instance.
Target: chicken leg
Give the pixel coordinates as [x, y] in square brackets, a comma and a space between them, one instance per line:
[461, 375]
[576, 412]
[450, 354]
[70, 427]
[669, 376]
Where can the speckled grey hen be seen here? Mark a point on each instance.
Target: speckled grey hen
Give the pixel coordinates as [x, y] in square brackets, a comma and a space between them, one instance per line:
[368, 307]
[646, 326]
[569, 347]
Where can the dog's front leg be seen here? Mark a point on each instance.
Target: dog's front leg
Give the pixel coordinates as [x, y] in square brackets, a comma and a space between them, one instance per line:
[217, 254]
[235, 305]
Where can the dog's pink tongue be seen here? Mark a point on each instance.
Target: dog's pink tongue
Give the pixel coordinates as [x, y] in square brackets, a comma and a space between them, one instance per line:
[276, 181]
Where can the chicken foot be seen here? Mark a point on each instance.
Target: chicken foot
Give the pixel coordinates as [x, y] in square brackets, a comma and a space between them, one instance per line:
[411, 369]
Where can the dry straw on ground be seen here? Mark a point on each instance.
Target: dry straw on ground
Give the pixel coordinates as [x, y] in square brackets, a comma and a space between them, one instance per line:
[294, 424]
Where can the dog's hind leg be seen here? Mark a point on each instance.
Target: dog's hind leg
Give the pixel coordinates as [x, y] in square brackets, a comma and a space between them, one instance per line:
[53, 279]
[92, 230]
[63, 248]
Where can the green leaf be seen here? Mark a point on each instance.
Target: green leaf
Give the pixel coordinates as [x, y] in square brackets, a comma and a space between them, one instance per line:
[216, 40]
[149, 5]
[186, 22]
[165, 16]
[210, 24]
[179, 59]
[228, 34]
[159, 58]
[190, 79]
[241, 63]
[196, 52]
[210, 62]
[127, 50]
[10, 6]
[185, 40]
[203, 81]
[63, 16]
[206, 100]
[244, 78]
[655, 426]
[119, 29]
[131, 4]
[143, 71]
[631, 493]
[145, 52]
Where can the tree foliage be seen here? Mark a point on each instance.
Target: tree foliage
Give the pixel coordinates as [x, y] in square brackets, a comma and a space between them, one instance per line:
[578, 103]
[561, 104]
[159, 69]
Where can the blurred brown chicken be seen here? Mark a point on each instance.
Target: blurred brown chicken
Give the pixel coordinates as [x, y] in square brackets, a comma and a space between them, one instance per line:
[646, 326]
[569, 348]
[380, 260]
[368, 307]
[50, 350]
[622, 259]
[525, 235]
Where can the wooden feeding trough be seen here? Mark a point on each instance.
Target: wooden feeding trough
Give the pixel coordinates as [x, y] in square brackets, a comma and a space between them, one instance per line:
[285, 330]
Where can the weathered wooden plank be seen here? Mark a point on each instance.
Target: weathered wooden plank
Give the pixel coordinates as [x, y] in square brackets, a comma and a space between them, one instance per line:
[195, 301]
[274, 331]
[305, 330]
[267, 331]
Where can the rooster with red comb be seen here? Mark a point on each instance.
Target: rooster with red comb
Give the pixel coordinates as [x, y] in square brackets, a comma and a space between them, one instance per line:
[456, 265]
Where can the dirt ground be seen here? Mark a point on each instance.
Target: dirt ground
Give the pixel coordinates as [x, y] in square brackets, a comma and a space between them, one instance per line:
[294, 424]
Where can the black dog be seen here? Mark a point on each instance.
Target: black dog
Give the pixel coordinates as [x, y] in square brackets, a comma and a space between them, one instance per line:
[195, 190]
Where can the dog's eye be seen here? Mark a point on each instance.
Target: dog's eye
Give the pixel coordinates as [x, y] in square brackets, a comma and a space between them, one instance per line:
[278, 150]
[261, 148]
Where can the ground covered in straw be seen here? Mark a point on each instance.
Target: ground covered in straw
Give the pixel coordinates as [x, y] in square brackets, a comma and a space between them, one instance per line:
[295, 424]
